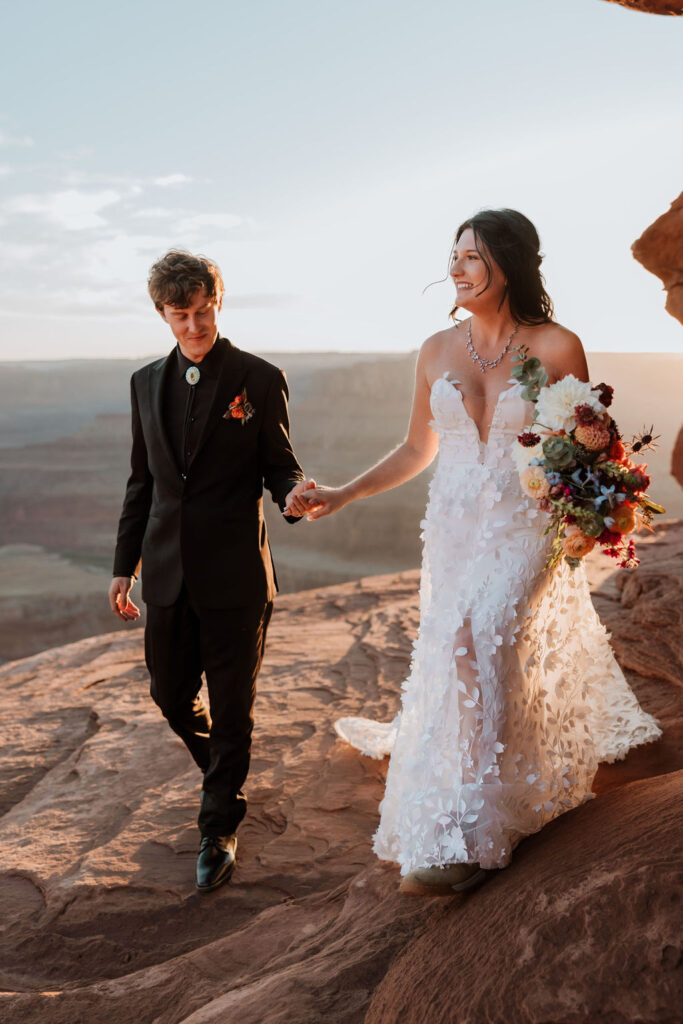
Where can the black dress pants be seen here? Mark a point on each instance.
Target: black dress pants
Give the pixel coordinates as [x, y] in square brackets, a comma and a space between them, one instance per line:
[181, 642]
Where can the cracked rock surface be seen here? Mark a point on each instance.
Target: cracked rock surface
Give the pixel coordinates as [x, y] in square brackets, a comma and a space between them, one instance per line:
[99, 920]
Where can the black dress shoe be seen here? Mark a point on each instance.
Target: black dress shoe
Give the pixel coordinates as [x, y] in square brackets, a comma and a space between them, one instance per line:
[215, 862]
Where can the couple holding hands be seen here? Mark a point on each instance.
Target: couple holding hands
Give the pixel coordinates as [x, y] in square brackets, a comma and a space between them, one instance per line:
[476, 761]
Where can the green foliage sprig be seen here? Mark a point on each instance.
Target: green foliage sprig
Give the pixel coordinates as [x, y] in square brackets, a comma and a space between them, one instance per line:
[529, 372]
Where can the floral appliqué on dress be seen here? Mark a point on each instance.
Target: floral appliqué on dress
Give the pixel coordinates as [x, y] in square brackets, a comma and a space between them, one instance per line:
[514, 695]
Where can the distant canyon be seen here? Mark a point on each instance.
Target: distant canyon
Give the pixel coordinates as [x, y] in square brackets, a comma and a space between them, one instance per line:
[64, 449]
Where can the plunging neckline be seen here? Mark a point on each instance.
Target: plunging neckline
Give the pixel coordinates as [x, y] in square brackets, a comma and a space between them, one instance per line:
[454, 382]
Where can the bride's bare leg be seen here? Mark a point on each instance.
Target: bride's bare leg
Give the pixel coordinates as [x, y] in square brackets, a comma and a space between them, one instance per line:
[470, 712]
[456, 877]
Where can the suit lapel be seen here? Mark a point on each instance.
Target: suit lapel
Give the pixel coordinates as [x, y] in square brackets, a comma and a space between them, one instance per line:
[156, 387]
[229, 384]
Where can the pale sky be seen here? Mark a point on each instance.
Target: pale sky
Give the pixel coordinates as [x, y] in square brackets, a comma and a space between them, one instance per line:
[323, 154]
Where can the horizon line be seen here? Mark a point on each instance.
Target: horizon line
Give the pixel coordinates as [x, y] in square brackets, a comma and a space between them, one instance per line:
[295, 352]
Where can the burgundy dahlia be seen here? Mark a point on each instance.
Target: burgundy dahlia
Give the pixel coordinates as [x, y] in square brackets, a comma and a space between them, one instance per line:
[528, 440]
[585, 415]
[606, 393]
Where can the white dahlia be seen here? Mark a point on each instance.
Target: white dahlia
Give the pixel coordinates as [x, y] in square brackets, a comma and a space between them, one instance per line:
[555, 405]
[522, 456]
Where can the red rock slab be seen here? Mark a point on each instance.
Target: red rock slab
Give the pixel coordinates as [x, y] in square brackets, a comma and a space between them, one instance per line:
[652, 6]
[99, 920]
[660, 250]
[677, 458]
[582, 930]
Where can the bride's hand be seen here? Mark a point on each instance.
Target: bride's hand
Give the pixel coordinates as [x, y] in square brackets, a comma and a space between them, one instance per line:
[323, 501]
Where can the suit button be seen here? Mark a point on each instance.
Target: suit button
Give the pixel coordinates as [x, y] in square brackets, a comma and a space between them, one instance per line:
[184, 476]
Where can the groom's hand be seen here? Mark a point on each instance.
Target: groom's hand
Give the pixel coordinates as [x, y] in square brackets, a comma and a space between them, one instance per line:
[120, 602]
[295, 505]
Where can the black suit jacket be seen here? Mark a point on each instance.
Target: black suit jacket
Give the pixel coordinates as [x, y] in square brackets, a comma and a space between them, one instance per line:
[207, 528]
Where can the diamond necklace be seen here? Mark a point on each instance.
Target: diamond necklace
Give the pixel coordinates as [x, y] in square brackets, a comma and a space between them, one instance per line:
[486, 364]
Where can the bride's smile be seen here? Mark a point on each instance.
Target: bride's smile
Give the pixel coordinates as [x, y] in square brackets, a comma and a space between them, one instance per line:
[479, 281]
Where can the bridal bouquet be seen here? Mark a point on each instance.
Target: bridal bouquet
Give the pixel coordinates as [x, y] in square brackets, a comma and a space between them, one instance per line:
[574, 462]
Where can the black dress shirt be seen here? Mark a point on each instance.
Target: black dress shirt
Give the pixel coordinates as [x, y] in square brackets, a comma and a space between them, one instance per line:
[186, 406]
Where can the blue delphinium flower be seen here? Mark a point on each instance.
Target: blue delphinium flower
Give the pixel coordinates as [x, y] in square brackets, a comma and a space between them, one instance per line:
[606, 494]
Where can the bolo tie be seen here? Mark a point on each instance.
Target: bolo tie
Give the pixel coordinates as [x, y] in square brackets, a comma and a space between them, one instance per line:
[192, 376]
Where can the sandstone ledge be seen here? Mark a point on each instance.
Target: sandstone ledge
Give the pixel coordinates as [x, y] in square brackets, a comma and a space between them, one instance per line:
[674, 7]
[660, 250]
[100, 922]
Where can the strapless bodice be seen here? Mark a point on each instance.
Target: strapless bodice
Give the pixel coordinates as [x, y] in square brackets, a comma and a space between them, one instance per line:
[459, 439]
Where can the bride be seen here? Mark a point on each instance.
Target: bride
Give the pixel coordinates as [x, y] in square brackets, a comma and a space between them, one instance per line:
[514, 695]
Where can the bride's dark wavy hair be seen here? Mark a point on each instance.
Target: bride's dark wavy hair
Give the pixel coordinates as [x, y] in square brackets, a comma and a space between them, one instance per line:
[510, 238]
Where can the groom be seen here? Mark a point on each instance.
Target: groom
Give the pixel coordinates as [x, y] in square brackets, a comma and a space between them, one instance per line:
[210, 429]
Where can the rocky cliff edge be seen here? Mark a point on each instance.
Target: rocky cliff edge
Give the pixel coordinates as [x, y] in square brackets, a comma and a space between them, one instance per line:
[100, 921]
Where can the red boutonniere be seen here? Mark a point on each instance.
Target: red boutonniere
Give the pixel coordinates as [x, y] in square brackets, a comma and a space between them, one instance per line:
[240, 409]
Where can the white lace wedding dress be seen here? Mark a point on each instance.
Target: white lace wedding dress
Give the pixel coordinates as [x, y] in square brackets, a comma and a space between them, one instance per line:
[514, 695]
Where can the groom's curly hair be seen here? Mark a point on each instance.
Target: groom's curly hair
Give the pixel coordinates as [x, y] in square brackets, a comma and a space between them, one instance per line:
[174, 279]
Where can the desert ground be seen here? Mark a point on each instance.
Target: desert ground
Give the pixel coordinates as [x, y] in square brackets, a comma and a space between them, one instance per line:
[99, 920]
[64, 446]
